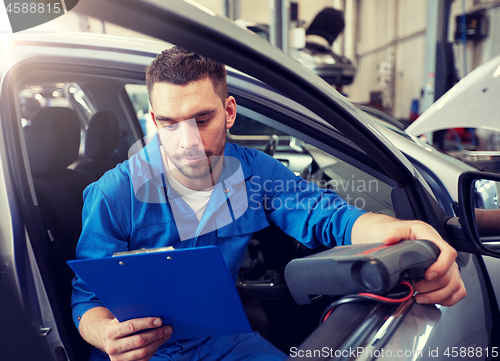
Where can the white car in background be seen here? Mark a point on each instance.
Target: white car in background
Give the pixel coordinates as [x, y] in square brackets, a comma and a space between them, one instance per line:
[473, 104]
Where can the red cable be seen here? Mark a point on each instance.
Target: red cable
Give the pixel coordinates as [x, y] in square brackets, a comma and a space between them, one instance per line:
[381, 298]
[391, 300]
[328, 314]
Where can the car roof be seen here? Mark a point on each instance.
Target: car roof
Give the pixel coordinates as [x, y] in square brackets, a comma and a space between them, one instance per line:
[86, 41]
[89, 44]
[67, 46]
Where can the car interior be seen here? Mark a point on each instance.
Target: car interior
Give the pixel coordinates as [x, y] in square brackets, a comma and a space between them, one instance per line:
[76, 126]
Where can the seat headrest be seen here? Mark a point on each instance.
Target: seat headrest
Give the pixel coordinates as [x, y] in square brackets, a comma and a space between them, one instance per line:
[53, 140]
[102, 137]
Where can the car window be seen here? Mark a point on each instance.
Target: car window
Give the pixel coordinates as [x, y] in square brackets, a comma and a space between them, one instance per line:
[36, 96]
[357, 186]
[246, 126]
[479, 147]
[138, 95]
[89, 96]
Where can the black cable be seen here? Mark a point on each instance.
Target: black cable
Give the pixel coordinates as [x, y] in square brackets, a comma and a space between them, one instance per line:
[393, 297]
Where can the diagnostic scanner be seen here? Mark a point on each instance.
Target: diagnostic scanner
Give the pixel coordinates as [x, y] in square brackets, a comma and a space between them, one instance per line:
[347, 270]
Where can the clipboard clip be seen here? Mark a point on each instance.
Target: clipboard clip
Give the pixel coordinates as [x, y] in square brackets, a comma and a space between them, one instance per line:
[143, 250]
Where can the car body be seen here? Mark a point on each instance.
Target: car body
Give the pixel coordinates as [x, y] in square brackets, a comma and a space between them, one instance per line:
[323, 137]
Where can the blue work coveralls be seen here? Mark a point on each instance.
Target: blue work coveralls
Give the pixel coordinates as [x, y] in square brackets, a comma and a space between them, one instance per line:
[133, 207]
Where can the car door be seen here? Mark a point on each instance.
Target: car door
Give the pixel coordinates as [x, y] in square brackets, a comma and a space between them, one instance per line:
[416, 335]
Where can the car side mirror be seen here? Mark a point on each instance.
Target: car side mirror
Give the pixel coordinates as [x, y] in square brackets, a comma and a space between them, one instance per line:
[480, 210]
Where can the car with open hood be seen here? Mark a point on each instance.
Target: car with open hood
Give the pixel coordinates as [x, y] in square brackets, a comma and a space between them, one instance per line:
[464, 121]
[73, 105]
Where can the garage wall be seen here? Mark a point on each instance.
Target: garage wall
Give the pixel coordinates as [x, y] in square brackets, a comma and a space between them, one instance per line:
[390, 56]
[255, 10]
[480, 52]
[375, 54]
[492, 44]
[259, 10]
[409, 62]
[216, 6]
[394, 31]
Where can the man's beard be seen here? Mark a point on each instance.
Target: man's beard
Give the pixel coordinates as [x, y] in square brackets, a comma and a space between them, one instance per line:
[204, 168]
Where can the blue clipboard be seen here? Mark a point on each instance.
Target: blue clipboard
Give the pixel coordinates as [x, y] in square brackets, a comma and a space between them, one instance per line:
[190, 289]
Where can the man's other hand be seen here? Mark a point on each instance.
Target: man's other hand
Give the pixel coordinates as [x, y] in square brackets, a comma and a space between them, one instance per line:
[133, 340]
[123, 342]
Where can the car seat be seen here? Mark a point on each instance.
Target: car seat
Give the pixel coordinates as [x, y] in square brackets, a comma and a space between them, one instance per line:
[53, 143]
[103, 135]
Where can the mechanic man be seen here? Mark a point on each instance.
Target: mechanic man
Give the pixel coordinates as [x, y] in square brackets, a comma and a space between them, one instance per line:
[184, 189]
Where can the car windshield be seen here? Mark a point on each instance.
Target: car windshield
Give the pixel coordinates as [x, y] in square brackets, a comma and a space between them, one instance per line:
[387, 124]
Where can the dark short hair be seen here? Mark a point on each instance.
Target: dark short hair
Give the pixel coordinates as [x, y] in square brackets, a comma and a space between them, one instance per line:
[180, 67]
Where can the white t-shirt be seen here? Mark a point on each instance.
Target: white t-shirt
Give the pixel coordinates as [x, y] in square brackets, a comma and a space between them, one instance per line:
[197, 200]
